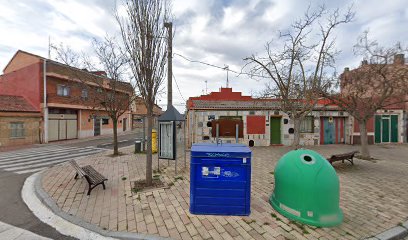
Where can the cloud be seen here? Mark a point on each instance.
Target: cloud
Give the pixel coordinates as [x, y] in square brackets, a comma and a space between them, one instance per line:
[220, 32]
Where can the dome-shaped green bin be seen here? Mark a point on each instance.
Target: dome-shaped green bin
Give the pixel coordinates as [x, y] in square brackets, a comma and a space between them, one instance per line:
[307, 189]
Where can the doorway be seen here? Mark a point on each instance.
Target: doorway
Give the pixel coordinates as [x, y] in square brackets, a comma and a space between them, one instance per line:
[124, 121]
[275, 126]
[97, 126]
[62, 127]
[332, 130]
[386, 128]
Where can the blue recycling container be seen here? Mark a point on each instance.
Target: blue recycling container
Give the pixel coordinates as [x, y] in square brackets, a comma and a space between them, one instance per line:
[220, 179]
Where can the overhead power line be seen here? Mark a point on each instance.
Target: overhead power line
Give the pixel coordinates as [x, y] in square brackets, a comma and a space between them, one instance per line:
[174, 77]
[226, 67]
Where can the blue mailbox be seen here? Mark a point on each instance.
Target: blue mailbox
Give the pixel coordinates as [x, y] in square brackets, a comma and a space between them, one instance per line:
[220, 179]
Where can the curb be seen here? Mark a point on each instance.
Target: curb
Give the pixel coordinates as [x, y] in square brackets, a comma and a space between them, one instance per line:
[394, 233]
[44, 208]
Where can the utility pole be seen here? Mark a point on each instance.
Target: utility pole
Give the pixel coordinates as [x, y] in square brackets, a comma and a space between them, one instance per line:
[206, 88]
[169, 26]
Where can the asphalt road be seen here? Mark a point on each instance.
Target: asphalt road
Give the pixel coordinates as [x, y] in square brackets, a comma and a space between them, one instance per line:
[15, 212]
[106, 142]
[13, 209]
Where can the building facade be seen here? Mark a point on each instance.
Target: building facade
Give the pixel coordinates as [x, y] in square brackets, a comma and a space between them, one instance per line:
[64, 96]
[390, 124]
[19, 122]
[139, 115]
[260, 122]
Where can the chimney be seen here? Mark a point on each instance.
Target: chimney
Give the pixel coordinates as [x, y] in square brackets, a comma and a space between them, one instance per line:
[364, 62]
[399, 59]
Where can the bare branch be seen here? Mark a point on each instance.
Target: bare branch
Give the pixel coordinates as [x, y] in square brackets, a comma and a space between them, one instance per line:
[299, 69]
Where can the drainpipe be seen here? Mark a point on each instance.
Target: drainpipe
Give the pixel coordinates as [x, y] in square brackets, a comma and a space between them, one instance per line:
[45, 110]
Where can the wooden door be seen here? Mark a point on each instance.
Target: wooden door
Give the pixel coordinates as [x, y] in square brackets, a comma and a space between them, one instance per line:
[328, 130]
[275, 126]
[385, 133]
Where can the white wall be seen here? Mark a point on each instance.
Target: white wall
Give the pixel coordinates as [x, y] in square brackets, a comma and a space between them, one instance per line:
[198, 127]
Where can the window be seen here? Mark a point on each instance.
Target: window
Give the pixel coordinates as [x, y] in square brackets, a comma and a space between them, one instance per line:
[84, 94]
[227, 128]
[63, 90]
[17, 130]
[105, 121]
[306, 126]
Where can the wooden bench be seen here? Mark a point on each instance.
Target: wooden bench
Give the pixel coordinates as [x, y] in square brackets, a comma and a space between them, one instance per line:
[343, 156]
[93, 177]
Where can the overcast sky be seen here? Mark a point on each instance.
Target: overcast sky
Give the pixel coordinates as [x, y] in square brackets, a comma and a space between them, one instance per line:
[220, 32]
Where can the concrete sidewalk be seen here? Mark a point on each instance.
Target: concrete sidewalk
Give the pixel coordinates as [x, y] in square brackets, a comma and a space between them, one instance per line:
[9, 232]
[373, 198]
[74, 142]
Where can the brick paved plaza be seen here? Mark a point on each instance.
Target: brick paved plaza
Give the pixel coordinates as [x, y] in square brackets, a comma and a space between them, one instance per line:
[374, 197]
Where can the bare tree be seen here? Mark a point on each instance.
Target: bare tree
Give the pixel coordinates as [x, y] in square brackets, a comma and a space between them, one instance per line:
[301, 66]
[144, 38]
[103, 81]
[378, 83]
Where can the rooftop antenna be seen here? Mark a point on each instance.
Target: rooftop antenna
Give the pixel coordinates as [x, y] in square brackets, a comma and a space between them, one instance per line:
[49, 47]
[226, 67]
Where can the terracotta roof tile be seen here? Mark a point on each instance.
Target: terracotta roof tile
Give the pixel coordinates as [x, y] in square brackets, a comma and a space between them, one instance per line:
[204, 104]
[10, 103]
[256, 104]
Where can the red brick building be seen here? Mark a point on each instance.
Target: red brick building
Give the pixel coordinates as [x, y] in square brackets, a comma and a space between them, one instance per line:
[68, 111]
[19, 121]
[388, 125]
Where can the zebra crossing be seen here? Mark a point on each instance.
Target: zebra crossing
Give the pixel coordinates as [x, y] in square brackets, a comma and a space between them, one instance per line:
[36, 159]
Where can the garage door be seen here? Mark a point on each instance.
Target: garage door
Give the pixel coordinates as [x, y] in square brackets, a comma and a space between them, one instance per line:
[62, 127]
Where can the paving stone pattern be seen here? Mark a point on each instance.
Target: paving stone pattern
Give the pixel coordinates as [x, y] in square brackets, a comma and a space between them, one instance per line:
[374, 198]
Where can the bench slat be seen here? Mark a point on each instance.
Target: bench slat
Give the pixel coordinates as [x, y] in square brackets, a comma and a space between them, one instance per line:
[342, 156]
[92, 176]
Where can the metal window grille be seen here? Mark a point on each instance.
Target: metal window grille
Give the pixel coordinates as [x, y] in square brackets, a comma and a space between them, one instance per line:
[306, 125]
[16, 129]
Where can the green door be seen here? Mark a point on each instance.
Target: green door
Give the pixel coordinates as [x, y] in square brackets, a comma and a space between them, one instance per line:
[275, 126]
[394, 128]
[385, 129]
[377, 129]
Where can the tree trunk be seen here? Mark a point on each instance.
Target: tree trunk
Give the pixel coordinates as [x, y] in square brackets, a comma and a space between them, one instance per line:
[115, 137]
[149, 158]
[365, 154]
[296, 127]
